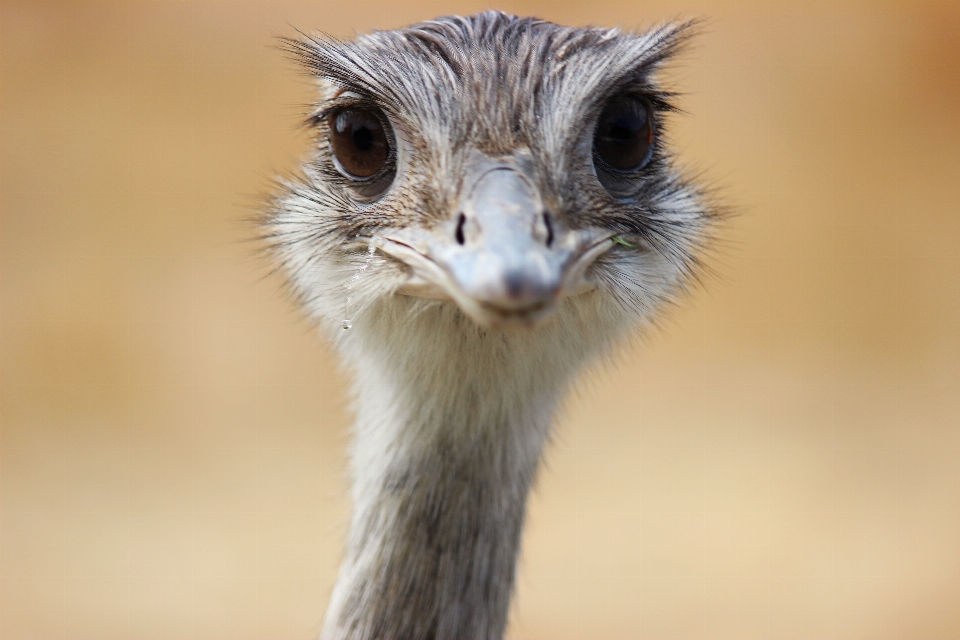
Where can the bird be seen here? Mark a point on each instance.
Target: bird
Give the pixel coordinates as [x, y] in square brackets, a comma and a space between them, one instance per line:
[490, 204]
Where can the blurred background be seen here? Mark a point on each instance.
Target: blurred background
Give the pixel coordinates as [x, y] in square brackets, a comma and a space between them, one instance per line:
[781, 460]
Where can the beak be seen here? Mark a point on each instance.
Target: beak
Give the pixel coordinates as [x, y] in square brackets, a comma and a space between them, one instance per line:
[504, 259]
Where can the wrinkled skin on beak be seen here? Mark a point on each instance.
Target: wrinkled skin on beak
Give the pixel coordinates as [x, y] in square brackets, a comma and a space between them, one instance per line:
[502, 257]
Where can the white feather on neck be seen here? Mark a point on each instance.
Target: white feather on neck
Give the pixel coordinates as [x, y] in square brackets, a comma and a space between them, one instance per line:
[448, 414]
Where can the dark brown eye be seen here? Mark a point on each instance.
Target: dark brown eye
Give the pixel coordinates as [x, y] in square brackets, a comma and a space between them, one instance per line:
[359, 142]
[624, 134]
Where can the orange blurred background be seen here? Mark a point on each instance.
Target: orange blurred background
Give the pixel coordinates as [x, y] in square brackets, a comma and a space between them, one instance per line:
[781, 461]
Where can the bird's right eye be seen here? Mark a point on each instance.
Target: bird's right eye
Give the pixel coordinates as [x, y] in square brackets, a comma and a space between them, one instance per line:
[359, 141]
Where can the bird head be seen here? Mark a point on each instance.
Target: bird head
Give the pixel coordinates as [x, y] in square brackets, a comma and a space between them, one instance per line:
[509, 166]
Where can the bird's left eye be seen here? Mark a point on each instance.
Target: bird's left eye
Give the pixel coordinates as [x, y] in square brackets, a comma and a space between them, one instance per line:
[624, 136]
[359, 142]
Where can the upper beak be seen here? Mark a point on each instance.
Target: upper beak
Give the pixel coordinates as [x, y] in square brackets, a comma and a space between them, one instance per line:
[503, 258]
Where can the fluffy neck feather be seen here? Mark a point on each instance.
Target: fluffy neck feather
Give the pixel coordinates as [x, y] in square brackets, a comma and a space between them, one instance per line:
[451, 421]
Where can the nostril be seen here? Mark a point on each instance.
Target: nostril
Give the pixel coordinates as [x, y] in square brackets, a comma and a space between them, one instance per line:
[460, 223]
[546, 223]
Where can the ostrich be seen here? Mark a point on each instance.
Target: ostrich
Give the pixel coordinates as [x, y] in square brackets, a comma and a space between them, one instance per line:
[490, 204]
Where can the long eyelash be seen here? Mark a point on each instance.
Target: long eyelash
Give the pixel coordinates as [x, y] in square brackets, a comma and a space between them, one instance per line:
[318, 117]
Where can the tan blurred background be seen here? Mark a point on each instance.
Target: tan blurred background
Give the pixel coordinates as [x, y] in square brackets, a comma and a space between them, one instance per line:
[781, 461]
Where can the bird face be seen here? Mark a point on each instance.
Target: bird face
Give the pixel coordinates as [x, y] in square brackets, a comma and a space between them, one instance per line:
[500, 163]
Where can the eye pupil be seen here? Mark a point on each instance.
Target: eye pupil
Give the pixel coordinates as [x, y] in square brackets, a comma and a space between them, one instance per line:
[624, 134]
[363, 139]
[620, 133]
[358, 141]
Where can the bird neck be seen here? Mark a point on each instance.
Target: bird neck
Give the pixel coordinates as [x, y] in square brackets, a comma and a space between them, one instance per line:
[449, 431]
